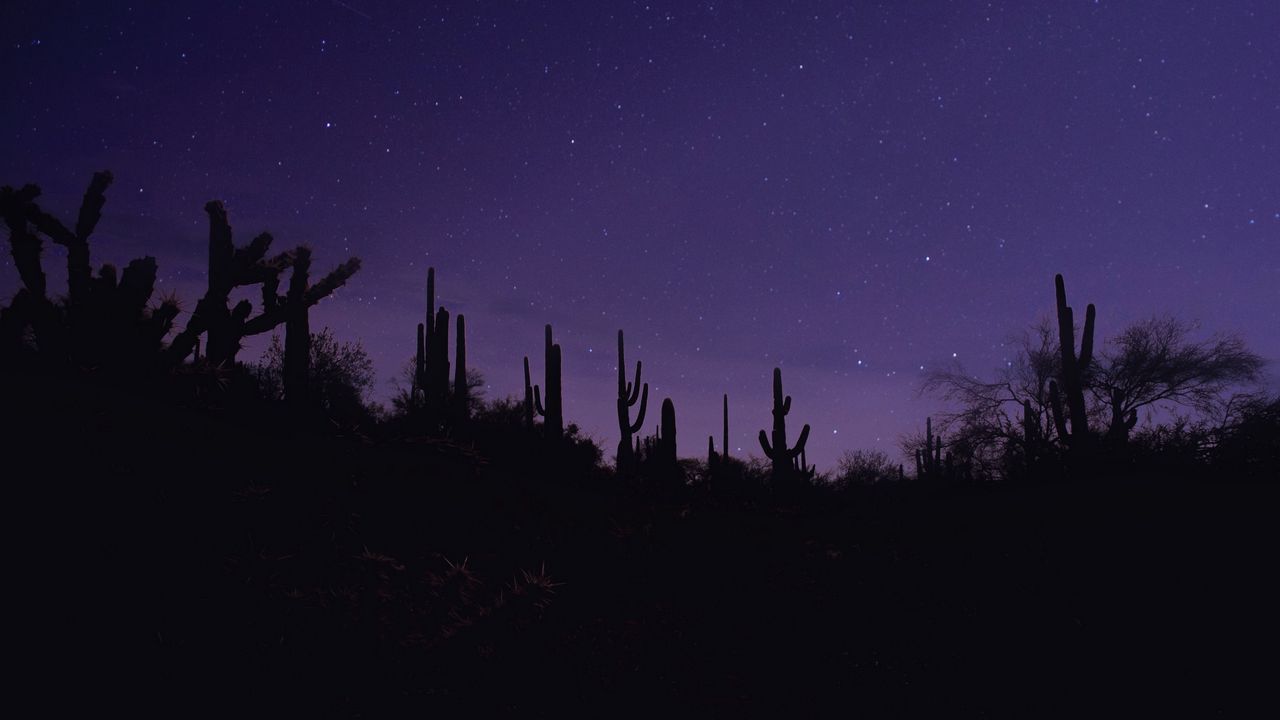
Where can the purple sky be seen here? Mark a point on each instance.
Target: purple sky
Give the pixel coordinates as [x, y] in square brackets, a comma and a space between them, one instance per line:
[851, 191]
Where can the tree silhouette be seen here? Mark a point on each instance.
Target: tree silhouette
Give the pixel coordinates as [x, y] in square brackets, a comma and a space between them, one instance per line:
[1155, 361]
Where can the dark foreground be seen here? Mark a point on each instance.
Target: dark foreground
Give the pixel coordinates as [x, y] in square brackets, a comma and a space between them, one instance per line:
[182, 561]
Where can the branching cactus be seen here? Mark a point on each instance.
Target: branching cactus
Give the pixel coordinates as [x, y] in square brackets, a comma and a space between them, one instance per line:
[442, 402]
[1074, 374]
[231, 267]
[103, 320]
[929, 464]
[784, 470]
[553, 411]
[628, 395]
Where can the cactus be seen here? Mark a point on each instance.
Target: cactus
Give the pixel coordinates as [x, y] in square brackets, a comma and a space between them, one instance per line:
[104, 320]
[1030, 436]
[929, 460]
[528, 397]
[460, 390]
[665, 463]
[1074, 374]
[628, 395]
[231, 267]
[553, 411]
[725, 451]
[297, 332]
[440, 401]
[784, 469]
[718, 463]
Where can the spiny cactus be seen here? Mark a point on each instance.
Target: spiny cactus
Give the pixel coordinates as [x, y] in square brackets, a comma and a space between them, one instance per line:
[231, 267]
[1074, 374]
[553, 411]
[104, 320]
[784, 469]
[628, 395]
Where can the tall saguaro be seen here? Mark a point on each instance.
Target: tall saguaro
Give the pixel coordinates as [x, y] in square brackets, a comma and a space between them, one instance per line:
[784, 469]
[552, 411]
[1074, 374]
[628, 395]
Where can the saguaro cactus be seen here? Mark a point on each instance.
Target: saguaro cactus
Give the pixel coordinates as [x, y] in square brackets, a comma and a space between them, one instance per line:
[297, 332]
[461, 399]
[724, 451]
[929, 465]
[553, 411]
[665, 463]
[528, 396]
[440, 404]
[1074, 374]
[783, 458]
[716, 461]
[628, 395]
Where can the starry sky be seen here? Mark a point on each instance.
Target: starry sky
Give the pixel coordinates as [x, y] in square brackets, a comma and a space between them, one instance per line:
[856, 192]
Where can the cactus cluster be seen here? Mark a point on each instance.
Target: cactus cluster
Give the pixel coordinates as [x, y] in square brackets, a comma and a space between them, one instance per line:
[930, 464]
[106, 320]
[432, 399]
[230, 267]
[552, 411]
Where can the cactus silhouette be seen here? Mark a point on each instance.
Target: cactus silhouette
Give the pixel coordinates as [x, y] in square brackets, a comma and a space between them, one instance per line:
[929, 462]
[628, 395]
[104, 320]
[665, 464]
[438, 401]
[528, 397]
[553, 411]
[784, 468]
[461, 402]
[231, 267]
[716, 462]
[1074, 374]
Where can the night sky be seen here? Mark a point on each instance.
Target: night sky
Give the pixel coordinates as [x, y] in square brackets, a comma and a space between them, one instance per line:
[855, 192]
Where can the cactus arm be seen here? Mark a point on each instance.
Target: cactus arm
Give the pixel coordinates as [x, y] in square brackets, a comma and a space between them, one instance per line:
[1086, 341]
[537, 402]
[786, 406]
[764, 444]
[800, 441]
[634, 388]
[644, 404]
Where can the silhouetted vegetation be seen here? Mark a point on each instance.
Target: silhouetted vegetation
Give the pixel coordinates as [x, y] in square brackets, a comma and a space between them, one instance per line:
[260, 534]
